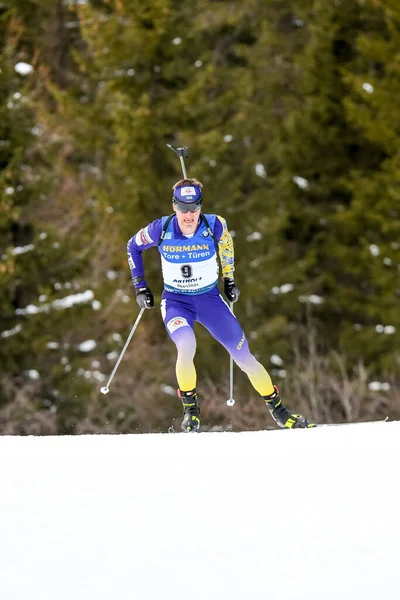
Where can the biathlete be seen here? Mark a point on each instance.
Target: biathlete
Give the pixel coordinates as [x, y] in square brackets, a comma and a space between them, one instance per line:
[189, 243]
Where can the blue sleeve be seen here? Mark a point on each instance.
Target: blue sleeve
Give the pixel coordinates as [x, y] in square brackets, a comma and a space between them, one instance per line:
[218, 229]
[144, 239]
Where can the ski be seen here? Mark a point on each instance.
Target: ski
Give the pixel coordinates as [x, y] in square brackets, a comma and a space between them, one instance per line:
[316, 425]
[386, 420]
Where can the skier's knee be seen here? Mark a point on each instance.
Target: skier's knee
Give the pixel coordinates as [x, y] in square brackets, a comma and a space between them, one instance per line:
[186, 346]
[248, 363]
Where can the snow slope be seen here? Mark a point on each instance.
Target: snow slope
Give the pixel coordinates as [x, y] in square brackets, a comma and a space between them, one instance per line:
[264, 515]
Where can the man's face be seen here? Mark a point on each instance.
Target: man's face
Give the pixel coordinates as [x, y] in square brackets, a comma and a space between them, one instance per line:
[187, 221]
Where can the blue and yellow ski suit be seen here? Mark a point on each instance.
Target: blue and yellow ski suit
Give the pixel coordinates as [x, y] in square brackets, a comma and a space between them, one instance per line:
[190, 269]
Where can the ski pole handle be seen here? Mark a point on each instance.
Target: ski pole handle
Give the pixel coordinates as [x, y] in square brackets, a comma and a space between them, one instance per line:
[182, 153]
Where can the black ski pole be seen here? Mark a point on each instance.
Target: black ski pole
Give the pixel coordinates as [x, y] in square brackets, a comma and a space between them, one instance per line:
[231, 400]
[182, 153]
[105, 389]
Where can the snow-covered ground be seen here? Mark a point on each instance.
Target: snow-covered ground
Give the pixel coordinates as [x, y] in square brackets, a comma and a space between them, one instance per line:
[310, 514]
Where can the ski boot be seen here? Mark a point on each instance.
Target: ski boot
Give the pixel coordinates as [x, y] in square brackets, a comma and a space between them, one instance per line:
[191, 411]
[282, 416]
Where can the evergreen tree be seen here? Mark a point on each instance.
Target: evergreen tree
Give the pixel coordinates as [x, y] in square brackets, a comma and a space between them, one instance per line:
[45, 299]
[372, 220]
[318, 149]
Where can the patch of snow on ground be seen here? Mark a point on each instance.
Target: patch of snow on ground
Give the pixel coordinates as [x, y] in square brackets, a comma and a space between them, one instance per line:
[113, 516]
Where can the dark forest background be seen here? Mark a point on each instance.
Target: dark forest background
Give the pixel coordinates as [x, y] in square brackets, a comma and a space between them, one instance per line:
[291, 113]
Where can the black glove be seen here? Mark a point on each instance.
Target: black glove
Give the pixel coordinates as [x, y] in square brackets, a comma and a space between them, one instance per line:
[144, 297]
[232, 292]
